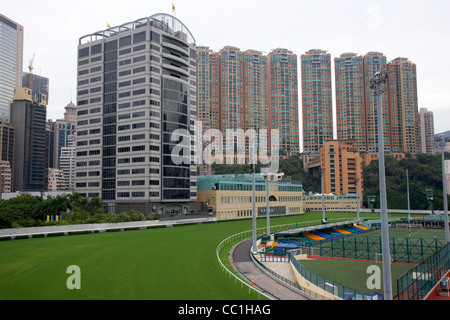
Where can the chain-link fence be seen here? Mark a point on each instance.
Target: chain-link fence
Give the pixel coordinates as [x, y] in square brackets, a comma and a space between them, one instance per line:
[417, 283]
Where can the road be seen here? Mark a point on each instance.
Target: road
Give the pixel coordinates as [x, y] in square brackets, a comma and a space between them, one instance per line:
[244, 264]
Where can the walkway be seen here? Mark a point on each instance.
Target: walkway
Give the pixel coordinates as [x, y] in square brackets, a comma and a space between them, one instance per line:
[244, 265]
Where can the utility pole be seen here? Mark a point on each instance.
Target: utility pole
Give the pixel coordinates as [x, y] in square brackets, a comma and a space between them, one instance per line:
[376, 83]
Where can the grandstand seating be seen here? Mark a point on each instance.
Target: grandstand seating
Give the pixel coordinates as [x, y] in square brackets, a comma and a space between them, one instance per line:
[322, 234]
[313, 236]
[340, 230]
[309, 238]
[333, 232]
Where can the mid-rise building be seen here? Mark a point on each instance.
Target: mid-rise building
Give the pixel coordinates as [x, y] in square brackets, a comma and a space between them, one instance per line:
[67, 163]
[317, 104]
[7, 142]
[59, 132]
[136, 116]
[343, 167]
[5, 177]
[11, 62]
[28, 116]
[55, 179]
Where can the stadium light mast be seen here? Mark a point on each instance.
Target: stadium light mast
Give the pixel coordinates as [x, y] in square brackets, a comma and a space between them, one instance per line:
[254, 195]
[441, 142]
[409, 202]
[376, 84]
[324, 219]
[267, 200]
[357, 199]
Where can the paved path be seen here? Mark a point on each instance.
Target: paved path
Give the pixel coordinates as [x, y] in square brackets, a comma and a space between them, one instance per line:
[244, 264]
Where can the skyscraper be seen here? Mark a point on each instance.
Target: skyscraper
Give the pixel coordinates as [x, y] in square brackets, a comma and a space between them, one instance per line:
[136, 88]
[28, 115]
[317, 107]
[36, 83]
[427, 131]
[11, 61]
[403, 105]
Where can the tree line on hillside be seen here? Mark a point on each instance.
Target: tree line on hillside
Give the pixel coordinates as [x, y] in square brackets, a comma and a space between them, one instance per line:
[30, 211]
[424, 171]
[292, 167]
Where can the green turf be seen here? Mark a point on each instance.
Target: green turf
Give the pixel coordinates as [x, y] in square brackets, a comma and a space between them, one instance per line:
[168, 263]
[354, 273]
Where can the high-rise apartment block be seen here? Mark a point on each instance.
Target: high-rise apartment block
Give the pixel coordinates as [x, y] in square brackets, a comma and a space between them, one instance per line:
[284, 99]
[403, 105]
[317, 104]
[356, 106]
[250, 90]
[137, 104]
[11, 62]
[350, 99]
[427, 131]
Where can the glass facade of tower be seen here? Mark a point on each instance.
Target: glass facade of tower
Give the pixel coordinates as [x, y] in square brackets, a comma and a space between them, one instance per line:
[11, 48]
[136, 86]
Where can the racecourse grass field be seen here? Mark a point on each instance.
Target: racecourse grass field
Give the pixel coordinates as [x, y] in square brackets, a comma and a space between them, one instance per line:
[353, 273]
[154, 264]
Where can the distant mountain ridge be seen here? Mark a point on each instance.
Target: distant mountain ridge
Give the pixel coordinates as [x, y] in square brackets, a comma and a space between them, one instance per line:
[446, 134]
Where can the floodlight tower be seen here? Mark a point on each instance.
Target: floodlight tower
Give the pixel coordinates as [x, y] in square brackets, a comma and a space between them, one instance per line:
[376, 84]
[324, 220]
[441, 142]
[253, 151]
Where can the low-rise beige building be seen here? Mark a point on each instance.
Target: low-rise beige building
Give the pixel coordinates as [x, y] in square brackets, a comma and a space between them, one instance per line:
[332, 202]
[230, 196]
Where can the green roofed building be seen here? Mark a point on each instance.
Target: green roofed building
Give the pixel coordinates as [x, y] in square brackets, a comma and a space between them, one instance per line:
[230, 196]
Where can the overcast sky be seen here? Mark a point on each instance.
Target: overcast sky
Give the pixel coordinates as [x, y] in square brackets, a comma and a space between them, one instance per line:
[416, 29]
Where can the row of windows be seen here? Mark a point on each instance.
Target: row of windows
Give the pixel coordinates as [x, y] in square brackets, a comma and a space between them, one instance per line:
[248, 199]
[125, 183]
